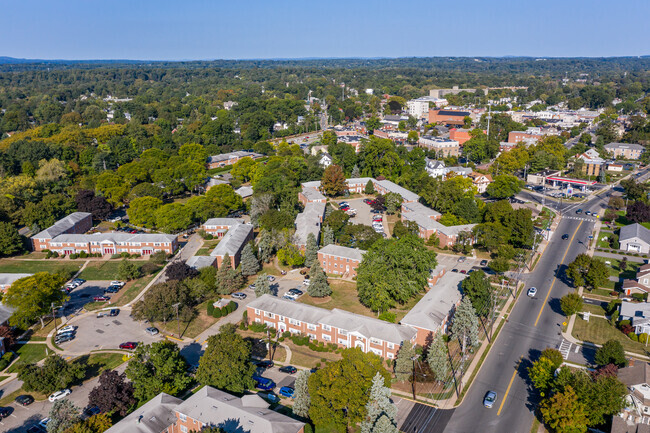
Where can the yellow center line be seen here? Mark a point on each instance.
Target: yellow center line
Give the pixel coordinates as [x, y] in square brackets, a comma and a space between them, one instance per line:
[512, 379]
[555, 277]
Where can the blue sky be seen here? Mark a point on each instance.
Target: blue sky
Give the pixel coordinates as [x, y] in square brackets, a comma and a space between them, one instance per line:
[245, 29]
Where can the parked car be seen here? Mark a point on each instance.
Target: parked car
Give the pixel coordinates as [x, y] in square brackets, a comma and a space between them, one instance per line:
[100, 298]
[270, 396]
[118, 283]
[565, 237]
[463, 271]
[286, 391]
[263, 383]
[532, 292]
[239, 295]
[129, 345]
[24, 400]
[461, 259]
[378, 218]
[579, 211]
[66, 329]
[252, 286]
[151, 330]
[343, 203]
[489, 399]
[271, 278]
[63, 338]
[58, 395]
[44, 422]
[78, 280]
[90, 411]
[454, 270]
[265, 364]
[114, 312]
[102, 314]
[288, 369]
[5, 412]
[296, 291]
[36, 429]
[288, 297]
[483, 263]
[367, 200]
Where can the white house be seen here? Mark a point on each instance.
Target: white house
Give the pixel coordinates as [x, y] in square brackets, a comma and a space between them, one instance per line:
[325, 160]
[435, 168]
[635, 238]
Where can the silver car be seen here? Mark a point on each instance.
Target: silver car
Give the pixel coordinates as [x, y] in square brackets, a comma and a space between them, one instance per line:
[152, 331]
[489, 399]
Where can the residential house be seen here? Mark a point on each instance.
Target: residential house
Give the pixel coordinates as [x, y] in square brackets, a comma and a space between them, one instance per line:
[339, 327]
[309, 221]
[638, 313]
[75, 223]
[6, 280]
[244, 191]
[625, 150]
[459, 170]
[448, 117]
[339, 260]
[435, 168]
[634, 238]
[212, 182]
[325, 160]
[634, 417]
[443, 147]
[480, 181]
[433, 312]
[232, 243]
[208, 407]
[639, 285]
[230, 158]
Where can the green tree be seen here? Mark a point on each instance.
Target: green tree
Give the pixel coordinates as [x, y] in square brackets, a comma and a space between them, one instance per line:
[311, 250]
[438, 357]
[142, 211]
[155, 368]
[372, 124]
[53, 375]
[504, 186]
[63, 415]
[290, 255]
[302, 400]
[128, 270]
[95, 424]
[228, 279]
[465, 324]
[404, 361]
[541, 374]
[577, 269]
[355, 172]
[479, 290]
[370, 188]
[564, 413]
[605, 398]
[380, 410]
[340, 390]
[265, 247]
[333, 181]
[226, 363]
[173, 217]
[328, 236]
[571, 304]
[393, 202]
[262, 285]
[318, 285]
[10, 240]
[249, 263]
[597, 275]
[611, 352]
[554, 355]
[32, 297]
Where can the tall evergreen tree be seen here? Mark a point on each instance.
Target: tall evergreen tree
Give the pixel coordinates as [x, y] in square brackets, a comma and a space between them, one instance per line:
[437, 358]
[328, 236]
[249, 263]
[302, 400]
[262, 285]
[265, 247]
[228, 279]
[355, 171]
[311, 250]
[370, 188]
[404, 361]
[380, 411]
[318, 285]
[465, 324]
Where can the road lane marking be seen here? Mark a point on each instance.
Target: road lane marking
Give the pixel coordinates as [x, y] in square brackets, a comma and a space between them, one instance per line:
[512, 379]
[555, 277]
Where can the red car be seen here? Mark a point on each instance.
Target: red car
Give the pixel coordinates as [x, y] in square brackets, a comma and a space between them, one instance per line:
[130, 345]
[101, 298]
[377, 218]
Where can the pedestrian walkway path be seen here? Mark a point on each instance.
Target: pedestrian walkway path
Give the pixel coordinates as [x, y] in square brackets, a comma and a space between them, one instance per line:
[565, 348]
[589, 220]
[619, 257]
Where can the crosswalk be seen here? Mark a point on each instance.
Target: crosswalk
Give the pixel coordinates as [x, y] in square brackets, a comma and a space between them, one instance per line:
[565, 348]
[591, 220]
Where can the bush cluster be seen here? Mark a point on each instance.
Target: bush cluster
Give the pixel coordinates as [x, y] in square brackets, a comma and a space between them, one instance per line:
[223, 311]
[6, 360]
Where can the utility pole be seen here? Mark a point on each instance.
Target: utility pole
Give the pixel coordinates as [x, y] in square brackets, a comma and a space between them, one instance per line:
[54, 318]
[178, 322]
[413, 376]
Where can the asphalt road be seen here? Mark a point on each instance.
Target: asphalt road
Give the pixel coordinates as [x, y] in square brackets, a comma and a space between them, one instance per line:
[533, 325]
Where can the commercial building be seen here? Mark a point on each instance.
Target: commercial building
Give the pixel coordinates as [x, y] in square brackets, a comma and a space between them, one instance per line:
[75, 223]
[592, 163]
[208, 407]
[625, 150]
[419, 108]
[448, 117]
[230, 158]
[442, 146]
[339, 327]
[440, 93]
[524, 136]
[335, 259]
[232, 243]
[7, 279]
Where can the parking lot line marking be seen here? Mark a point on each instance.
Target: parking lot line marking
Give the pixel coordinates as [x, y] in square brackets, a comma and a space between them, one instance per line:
[555, 277]
[512, 379]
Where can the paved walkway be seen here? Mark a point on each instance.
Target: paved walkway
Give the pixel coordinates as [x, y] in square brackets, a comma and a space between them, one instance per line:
[620, 257]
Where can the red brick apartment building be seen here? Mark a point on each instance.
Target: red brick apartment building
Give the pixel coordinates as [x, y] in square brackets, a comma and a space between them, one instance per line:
[219, 226]
[208, 407]
[339, 327]
[448, 117]
[339, 260]
[230, 158]
[459, 135]
[75, 223]
[232, 242]
[526, 137]
[427, 221]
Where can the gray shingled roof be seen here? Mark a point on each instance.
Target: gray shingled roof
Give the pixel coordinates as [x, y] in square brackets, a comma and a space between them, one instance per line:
[5, 313]
[635, 230]
[309, 222]
[213, 181]
[312, 194]
[223, 222]
[393, 187]
[8, 279]
[633, 146]
[244, 191]
[234, 415]
[233, 241]
[345, 252]
[436, 304]
[368, 326]
[115, 237]
[62, 225]
[200, 262]
[152, 417]
[227, 156]
[295, 310]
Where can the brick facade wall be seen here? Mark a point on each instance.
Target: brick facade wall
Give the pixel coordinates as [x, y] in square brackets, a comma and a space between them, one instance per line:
[143, 248]
[80, 227]
[332, 264]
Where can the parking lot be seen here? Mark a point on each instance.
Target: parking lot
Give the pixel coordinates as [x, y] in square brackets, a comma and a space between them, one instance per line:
[364, 216]
[456, 262]
[84, 294]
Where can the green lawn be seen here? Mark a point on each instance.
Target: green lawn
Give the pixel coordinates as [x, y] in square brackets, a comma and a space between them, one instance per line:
[615, 268]
[131, 290]
[97, 362]
[104, 270]
[594, 309]
[28, 354]
[33, 266]
[599, 330]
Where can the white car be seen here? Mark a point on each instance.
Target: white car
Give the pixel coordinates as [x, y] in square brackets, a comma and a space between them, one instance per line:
[239, 295]
[532, 292]
[271, 278]
[59, 395]
[69, 328]
[292, 296]
[306, 283]
[117, 283]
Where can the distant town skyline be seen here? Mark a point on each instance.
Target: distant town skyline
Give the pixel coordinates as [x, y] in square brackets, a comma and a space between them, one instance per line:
[206, 30]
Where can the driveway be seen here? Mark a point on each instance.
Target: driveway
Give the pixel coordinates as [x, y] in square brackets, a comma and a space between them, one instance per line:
[95, 333]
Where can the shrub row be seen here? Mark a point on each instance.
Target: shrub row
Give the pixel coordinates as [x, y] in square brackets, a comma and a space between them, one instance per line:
[223, 311]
